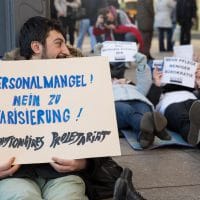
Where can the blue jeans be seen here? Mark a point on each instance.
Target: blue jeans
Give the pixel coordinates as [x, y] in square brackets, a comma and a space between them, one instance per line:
[130, 113]
[85, 28]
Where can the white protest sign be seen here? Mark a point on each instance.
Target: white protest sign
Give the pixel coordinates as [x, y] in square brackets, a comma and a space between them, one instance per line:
[57, 107]
[158, 64]
[183, 51]
[117, 51]
[179, 71]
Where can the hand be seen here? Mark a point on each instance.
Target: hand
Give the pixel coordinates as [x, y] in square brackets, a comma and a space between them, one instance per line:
[60, 14]
[100, 20]
[157, 75]
[110, 26]
[197, 76]
[8, 169]
[62, 165]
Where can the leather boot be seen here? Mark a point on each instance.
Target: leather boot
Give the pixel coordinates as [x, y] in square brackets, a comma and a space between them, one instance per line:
[124, 189]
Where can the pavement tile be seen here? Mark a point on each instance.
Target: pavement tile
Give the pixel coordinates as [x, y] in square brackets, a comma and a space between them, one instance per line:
[175, 193]
[167, 169]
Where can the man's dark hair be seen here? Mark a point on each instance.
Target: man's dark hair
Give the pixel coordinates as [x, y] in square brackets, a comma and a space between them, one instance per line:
[36, 29]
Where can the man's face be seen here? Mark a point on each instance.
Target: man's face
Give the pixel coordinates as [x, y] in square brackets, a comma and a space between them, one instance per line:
[55, 46]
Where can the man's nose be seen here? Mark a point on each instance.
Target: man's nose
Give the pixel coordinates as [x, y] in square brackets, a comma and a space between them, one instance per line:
[65, 50]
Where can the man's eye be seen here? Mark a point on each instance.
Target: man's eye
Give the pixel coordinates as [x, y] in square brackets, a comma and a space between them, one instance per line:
[58, 44]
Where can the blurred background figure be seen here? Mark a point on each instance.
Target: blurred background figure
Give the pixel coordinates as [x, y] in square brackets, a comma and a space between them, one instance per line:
[114, 3]
[145, 22]
[66, 13]
[86, 24]
[163, 21]
[114, 24]
[186, 17]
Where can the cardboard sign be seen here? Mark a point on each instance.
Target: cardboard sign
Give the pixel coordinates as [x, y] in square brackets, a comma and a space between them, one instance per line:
[58, 107]
[184, 51]
[179, 71]
[119, 51]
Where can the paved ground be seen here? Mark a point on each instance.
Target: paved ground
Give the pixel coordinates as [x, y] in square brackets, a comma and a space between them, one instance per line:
[171, 173]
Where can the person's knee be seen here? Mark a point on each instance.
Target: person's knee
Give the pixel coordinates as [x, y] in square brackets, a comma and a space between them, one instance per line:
[19, 188]
[68, 187]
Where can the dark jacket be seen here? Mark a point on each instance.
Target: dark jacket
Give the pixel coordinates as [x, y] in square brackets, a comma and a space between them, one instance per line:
[92, 7]
[185, 11]
[155, 91]
[145, 15]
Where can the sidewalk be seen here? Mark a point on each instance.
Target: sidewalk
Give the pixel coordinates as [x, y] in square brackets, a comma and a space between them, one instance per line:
[171, 173]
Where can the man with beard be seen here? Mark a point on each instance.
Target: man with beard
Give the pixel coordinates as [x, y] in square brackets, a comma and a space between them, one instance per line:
[41, 38]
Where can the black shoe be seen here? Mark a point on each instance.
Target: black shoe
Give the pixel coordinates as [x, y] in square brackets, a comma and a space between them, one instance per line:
[194, 117]
[124, 189]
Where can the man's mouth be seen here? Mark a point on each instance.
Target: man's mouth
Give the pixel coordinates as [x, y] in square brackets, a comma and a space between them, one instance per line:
[63, 56]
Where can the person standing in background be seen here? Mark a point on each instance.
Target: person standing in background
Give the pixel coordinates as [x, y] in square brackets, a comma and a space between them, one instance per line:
[66, 14]
[145, 21]
[163, 21]
[85, 26]
[186, 17]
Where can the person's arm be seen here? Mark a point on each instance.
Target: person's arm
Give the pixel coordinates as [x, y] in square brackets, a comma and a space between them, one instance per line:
[143, 74]
[59, 8]
[155, 89]
[74, 4]
[8, 169]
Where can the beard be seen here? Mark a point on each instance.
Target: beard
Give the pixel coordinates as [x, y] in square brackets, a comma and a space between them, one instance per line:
[60, 55]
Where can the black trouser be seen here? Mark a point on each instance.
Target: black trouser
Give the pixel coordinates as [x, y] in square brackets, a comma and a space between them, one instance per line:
[177, 115]
[185, 37]
[68, 24]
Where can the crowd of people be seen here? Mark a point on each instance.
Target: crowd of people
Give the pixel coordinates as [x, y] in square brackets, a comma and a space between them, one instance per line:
[147, 107]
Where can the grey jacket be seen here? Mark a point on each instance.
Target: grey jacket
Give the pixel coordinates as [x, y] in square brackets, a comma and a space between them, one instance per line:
[139, 91]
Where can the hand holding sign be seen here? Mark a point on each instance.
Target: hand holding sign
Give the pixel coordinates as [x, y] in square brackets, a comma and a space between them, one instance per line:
[63, 166]
[8, 169]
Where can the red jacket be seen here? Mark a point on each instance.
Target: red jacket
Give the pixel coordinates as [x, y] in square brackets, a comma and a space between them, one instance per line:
[121, 29]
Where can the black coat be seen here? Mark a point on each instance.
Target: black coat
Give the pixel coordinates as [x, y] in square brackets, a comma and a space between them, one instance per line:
[185, 11]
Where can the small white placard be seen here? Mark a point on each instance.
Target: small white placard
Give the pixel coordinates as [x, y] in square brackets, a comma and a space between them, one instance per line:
[183, 51]
[179, 71]
[158, 64]
[118, 51]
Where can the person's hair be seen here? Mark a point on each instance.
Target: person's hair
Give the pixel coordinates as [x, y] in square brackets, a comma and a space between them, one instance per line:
[36, 29]
[106, 10]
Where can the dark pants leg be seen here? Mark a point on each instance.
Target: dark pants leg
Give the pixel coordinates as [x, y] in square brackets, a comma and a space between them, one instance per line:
[130, 113]
[169, 39]
[161, 33]
[147, 38]
[70, 23]
[185, 34]
[177, 115]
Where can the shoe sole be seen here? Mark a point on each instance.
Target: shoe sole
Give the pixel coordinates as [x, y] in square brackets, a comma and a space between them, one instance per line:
[160, 121]
[194, 123]
[146, 124]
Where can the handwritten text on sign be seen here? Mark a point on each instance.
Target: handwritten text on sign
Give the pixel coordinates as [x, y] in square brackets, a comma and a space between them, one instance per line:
[179, 71]
[60, 108]
[118, 51]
